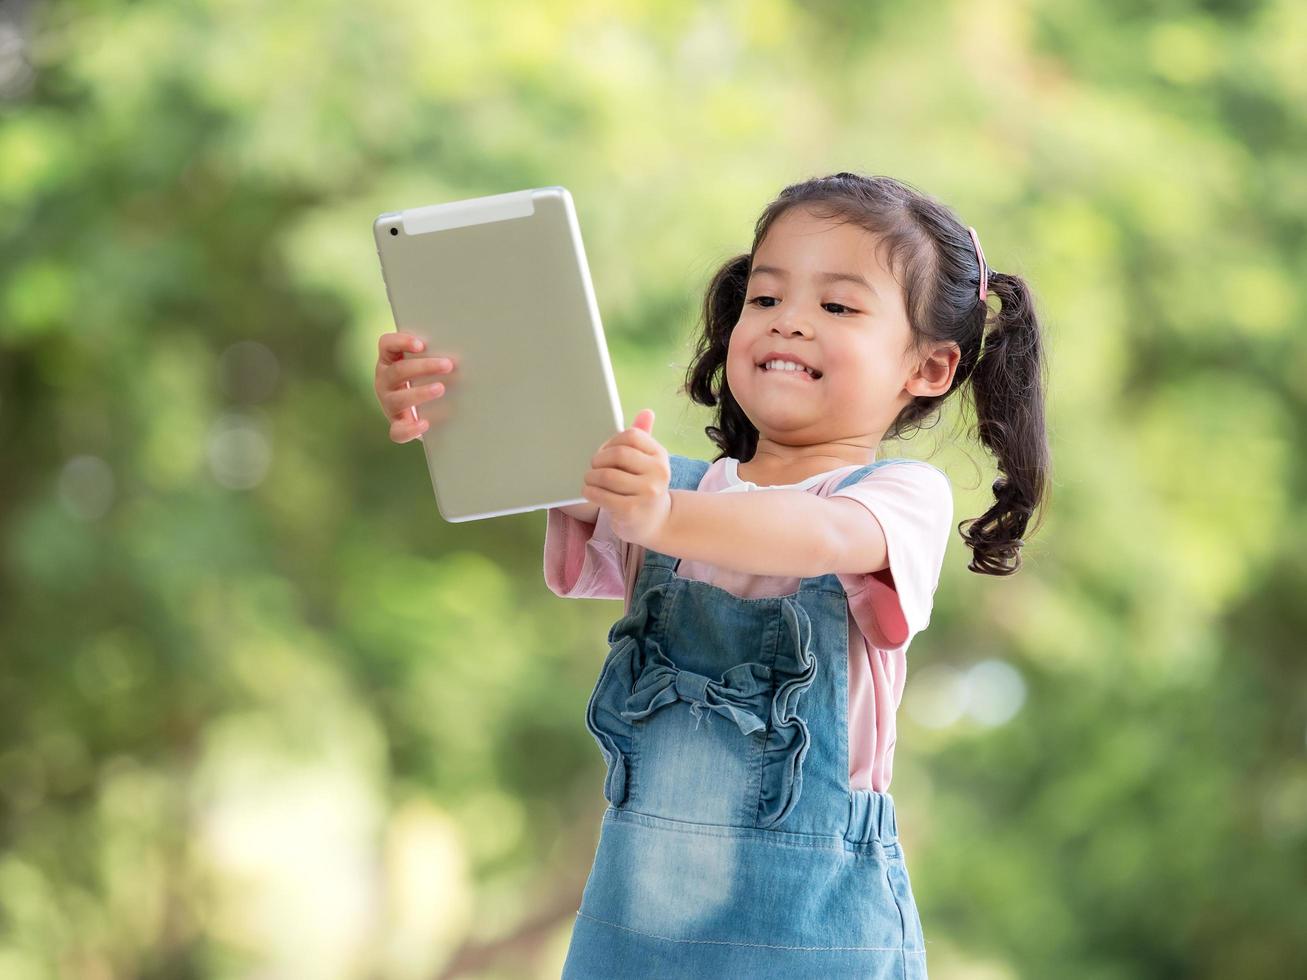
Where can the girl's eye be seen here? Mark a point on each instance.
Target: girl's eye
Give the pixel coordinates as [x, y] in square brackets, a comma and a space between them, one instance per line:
[845, 309]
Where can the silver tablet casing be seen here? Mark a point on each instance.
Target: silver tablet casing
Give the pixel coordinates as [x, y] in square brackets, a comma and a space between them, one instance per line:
[501, 284]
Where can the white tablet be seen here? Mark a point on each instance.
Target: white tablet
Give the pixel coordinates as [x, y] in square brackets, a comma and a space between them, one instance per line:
[501, 284]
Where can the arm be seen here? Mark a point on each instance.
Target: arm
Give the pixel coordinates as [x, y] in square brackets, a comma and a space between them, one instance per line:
[772, 532]
[859, 544]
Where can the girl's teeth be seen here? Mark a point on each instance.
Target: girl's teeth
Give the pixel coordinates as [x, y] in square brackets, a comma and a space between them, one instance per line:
[786, 366]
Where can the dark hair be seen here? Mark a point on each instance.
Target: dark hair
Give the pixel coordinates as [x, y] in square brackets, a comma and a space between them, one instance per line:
[932, 255]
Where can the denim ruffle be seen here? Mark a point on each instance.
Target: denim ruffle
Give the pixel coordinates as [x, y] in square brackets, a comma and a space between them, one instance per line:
[615, 683]
[787, 740]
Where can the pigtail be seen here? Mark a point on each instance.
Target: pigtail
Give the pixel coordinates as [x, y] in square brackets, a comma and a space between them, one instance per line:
[1007, 389]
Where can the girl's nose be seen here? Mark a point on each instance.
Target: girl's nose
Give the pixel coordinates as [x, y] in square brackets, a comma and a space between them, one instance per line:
[791, 323]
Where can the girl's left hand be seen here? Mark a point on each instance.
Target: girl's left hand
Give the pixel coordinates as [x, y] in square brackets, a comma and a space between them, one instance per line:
[628, 477]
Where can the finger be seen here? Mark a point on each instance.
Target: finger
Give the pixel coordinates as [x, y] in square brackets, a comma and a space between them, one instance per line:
[651, 466]
[402, 402]
[416, 367]
[412, 372]
[622, 457]
[391, 346]
[628, 437]
[600, 496]
[408, 430]
[393, 376]
[617, 482]
[405, 400]
[640, 439]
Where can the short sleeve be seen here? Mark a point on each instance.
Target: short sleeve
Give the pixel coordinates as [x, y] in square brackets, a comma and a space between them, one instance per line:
[583, 560]
[913, 502]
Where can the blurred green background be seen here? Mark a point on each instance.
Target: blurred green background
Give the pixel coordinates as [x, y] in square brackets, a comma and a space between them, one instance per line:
[264, 714]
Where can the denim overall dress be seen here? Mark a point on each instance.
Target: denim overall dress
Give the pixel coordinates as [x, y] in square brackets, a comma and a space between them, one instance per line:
[733, 845]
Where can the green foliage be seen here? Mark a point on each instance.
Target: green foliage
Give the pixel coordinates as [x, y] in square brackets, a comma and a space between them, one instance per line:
[261, 710]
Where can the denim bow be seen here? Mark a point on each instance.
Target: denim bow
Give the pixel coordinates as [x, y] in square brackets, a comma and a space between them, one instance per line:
[662, 682]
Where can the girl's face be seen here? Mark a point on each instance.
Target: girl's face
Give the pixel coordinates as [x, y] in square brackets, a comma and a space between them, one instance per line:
[818, 290]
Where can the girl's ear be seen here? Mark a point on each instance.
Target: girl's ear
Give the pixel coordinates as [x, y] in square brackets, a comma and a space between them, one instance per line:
[938, 367]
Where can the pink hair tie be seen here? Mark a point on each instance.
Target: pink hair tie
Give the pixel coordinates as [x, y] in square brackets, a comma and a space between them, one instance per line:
[984, 269]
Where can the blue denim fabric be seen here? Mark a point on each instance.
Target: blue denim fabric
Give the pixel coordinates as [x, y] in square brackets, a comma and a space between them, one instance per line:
[733, 845]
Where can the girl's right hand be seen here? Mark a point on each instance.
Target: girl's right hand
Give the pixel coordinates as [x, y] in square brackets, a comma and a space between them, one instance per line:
[399, 399]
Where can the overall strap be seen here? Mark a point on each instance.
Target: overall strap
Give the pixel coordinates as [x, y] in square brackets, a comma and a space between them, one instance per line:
[687, 472]
[859, 473]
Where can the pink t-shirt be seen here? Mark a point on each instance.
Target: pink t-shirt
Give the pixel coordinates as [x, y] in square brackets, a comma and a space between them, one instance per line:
[913, 501]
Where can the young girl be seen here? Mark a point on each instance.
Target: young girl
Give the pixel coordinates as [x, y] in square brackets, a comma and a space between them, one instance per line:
[745, 709]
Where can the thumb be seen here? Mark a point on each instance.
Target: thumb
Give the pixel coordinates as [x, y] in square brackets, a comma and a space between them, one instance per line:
[644, 419]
